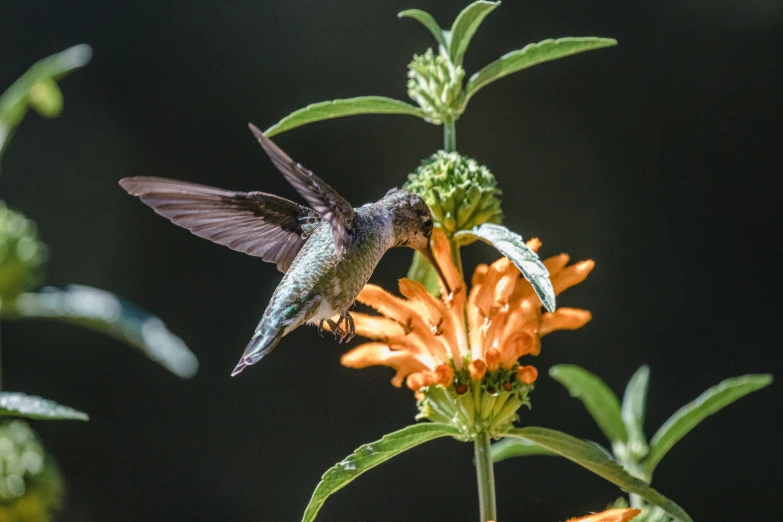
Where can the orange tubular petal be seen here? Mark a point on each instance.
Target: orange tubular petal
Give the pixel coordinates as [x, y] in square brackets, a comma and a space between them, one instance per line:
[556, 264]
[444, 375]
[564, 319]
[374, 327]
[477, 369]
[455, 302]
[417, 381]
[572, 275]
[612, 515]
[385, 303]
[379, 354]
[492, 356]
[533, 244]
[478, 275]
[441, 251]
[517, 345]
[485, 298]
[527, 374]
[440, 321]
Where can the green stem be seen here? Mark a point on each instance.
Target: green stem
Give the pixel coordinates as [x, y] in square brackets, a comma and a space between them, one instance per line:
[449, 136]
[485, 475]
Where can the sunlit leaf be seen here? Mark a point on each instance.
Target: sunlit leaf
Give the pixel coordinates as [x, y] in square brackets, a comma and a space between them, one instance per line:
[690, 415]
[427, 21]
[369, 456]
[531, 55]
[15, 404]
[513, 247]
[598, 398]
[341, 108]
[38, 82]
[465, 26]
[423, 272]
[106, 313]
[634, 403]
[591, 458]
[512, 447]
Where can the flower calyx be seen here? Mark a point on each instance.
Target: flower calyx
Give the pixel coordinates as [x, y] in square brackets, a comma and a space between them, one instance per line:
[461, 193]
[474, 399]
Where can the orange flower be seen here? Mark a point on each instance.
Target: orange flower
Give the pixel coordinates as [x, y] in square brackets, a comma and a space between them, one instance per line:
[611, 515]
[473, 334]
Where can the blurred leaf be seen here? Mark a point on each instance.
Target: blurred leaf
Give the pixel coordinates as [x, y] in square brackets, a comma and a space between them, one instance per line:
[17, 404]
[465, 26]
[513, 247]
[340, 108]
[598, 398]
[634, 403]
[512, 447]
[532, 54]
[369, 456]
[427, 21]
[591, 458]
[106, 313]
[690, 415]
[422, 271]
[37, 87]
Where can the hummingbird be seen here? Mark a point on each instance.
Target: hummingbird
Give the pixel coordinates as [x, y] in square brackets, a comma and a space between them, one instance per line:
[327, 250]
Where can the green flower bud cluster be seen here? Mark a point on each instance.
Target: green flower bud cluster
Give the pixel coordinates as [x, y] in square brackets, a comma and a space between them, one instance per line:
[30, 485]
[436, 85]
[21, 253]
[460, 192]
[474, 406]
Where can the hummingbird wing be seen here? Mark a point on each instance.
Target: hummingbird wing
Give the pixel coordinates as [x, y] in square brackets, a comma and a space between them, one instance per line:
[329, 204]
[259, 224]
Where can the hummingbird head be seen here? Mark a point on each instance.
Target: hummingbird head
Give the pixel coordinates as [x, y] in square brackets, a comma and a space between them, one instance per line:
[412, 222]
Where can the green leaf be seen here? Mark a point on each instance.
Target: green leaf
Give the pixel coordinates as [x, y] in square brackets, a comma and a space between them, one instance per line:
[106, 313]
[597, 397]
[371, 455]
[531, 55]
[512, 447]
[690, 415]
[465, 26]
[634, 402]
[427, 21]
[591, 458]
[15, 404]
[423, 272]
[39, 81]
[513, 247]
[340, 108]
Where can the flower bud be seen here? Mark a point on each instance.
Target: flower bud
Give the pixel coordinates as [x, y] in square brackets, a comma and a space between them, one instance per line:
[492, 356]
[527, 374]
[30, 485]
[461, 193]
[477, 369]
[436, 85]
[21, 253]
[444, 375]
[417, 381]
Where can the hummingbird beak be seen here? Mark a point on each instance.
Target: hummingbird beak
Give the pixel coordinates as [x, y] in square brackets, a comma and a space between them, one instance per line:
[427, 253]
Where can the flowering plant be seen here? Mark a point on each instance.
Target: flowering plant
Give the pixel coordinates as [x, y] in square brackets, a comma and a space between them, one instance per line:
[30, 484]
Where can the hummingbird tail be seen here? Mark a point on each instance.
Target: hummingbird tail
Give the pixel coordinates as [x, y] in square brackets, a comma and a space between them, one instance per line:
[259, 346]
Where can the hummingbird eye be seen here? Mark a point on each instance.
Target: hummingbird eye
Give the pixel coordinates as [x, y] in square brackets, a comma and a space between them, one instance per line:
[427, 227]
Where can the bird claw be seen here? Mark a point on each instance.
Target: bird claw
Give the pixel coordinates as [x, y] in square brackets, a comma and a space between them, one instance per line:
[321, 328]
[341, 334]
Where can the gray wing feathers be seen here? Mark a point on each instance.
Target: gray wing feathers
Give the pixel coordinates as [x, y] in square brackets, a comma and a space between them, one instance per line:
[258, 224]
[326, 201]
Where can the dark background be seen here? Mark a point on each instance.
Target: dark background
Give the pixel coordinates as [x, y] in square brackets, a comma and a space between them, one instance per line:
[656, 158]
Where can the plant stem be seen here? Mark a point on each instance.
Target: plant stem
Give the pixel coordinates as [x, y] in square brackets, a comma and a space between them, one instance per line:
[485, 475]
[449, 136]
